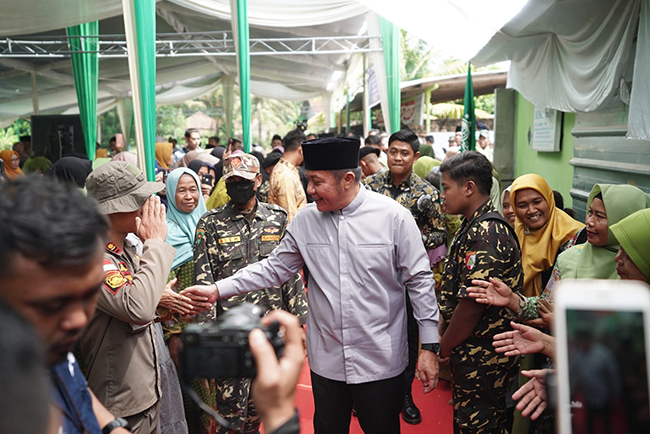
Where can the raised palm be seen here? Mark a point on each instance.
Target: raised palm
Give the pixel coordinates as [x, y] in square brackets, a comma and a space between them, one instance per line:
[492, 292]
[522, 340]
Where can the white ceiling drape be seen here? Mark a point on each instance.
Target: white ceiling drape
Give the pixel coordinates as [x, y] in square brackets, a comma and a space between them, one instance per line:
[281, 13]
[566, 55]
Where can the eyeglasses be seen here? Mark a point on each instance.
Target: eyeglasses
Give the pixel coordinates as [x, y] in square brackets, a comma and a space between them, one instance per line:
[15, 159]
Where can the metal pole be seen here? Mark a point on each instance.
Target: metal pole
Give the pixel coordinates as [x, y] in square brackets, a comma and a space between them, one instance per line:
[34, 94]
[427, 110]
[347, 120]
[367, 122]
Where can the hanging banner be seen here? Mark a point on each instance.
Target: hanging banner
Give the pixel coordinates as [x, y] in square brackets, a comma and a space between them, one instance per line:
[373, 87]
[407, 111]
[85, 65]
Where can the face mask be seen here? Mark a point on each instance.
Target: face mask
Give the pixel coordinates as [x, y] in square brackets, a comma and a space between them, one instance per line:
[240, 192]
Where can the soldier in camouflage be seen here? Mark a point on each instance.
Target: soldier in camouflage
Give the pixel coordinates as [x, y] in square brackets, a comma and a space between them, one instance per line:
[400, 183]
[484, 247]
[228, 238]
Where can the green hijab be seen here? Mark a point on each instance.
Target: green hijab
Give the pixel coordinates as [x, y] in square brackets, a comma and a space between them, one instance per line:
[587, 261]
[423, 166]
[426, 151]
[633, 233]
[37, 164]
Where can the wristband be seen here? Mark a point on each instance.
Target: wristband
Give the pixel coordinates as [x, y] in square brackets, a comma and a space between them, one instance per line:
[118, 422]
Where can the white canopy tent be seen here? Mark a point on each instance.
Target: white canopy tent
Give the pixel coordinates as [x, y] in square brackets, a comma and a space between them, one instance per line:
[281, 76]
[578, 56]
[289, 76]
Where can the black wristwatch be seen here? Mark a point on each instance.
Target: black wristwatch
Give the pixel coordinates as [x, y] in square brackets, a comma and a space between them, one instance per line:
[118, 422]
[435, 348]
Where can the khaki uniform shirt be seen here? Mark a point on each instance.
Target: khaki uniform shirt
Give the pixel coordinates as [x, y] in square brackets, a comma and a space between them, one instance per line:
[119, 345]
[285, 188]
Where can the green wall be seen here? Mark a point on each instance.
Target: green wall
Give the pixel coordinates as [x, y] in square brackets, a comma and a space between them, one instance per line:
[554, 167]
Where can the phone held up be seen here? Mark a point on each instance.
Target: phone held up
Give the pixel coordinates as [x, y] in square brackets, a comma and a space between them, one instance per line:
[603, 337]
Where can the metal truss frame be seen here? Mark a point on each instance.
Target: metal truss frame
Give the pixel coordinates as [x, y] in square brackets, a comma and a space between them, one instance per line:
[217, 44]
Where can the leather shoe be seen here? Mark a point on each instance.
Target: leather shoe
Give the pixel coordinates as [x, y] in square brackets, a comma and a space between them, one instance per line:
[410, 413]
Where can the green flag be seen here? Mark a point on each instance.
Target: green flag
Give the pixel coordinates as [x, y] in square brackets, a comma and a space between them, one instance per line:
[468, 141]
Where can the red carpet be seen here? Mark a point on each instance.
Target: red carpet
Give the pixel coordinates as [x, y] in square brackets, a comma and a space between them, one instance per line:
[436, 411]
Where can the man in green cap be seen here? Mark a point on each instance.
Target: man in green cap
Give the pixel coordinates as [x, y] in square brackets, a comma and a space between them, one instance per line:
[228, 238]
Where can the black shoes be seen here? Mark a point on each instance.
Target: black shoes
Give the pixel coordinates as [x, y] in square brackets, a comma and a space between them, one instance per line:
[410, 413]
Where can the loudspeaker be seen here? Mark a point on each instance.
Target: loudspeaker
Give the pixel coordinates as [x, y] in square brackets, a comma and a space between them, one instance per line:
[56, 136]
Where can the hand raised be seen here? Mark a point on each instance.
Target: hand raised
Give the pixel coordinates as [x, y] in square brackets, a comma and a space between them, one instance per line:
[492, 292]
[532, 395]
[523, 340]
[152, 225]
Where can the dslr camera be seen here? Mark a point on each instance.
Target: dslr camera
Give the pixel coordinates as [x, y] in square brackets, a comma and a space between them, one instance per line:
[220, 349]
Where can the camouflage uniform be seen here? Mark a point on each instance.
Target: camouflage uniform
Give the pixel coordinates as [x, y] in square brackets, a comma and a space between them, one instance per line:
[226, 242]
[263, 192]
[419, 197]
[480, 376]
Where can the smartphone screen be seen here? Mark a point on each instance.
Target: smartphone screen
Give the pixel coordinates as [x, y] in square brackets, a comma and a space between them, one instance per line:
[206, 179]
[608, 378]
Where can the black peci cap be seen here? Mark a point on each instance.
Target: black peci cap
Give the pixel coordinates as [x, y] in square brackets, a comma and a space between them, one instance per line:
[365, 150]
[331, 153]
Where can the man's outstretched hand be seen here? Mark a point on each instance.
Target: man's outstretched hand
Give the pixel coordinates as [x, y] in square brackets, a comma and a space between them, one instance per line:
[202, 294]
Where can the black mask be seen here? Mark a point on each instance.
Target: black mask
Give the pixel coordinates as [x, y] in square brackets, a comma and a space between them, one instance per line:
[240, 192]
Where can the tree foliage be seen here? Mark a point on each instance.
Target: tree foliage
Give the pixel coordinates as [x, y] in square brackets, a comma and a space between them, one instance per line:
[269, 117]
[12, 133]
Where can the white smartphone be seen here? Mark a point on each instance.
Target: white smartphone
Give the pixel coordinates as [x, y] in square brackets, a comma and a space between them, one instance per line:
[603, 338]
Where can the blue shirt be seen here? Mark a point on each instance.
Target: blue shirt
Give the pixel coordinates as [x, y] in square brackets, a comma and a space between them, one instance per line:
[71, 396]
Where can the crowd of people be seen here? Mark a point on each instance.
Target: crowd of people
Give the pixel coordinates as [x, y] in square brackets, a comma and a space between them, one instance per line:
[387, 259]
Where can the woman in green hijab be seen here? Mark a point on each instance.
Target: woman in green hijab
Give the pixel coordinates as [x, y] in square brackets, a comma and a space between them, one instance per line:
[423, 166]
[595, 259]
[633, 257]
[37, 165]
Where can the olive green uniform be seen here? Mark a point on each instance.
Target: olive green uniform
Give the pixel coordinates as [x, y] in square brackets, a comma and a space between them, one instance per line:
[419, 197]
[226, 242]
[481, 377]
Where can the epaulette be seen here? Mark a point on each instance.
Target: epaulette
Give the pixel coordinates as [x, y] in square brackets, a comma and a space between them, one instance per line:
[274, 207]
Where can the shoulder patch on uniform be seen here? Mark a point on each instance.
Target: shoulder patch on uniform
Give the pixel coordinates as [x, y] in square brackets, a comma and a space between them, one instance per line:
[470, 260]
[228, 240]
[108, 265]
[270, 237]
[271, 230]
[111, 247]
[114, 281]
[125, 271]
[200, 233]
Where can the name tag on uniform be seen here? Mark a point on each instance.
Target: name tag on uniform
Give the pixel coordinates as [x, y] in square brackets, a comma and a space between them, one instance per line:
[270, 237]
[228, 240]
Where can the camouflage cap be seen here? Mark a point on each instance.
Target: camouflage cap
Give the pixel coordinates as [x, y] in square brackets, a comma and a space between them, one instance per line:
[239, 164]
[119, 187]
